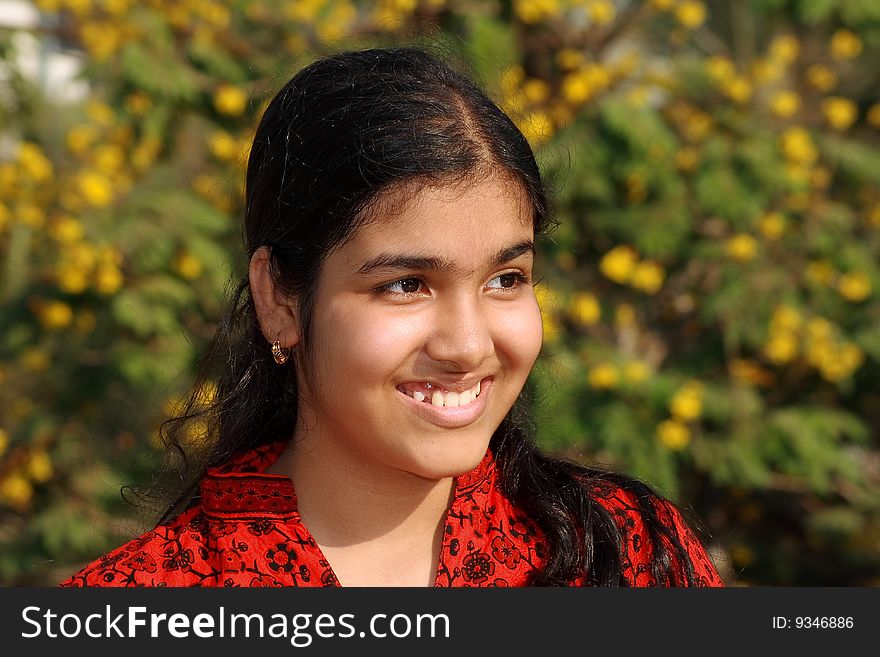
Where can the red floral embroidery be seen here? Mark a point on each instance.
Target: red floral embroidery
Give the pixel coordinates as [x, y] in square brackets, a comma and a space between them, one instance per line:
[478, 567]
[141, 561]
[247, 532]
[505, 552]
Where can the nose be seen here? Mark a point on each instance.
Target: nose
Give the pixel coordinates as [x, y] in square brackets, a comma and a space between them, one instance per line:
[461, 337]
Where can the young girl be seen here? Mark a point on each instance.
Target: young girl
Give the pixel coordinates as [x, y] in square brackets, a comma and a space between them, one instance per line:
[369, 427]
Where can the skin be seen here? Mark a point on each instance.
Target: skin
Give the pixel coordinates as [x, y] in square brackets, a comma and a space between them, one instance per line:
[374, 470]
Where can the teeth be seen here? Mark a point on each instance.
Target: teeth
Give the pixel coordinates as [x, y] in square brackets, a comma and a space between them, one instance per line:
[447, 399]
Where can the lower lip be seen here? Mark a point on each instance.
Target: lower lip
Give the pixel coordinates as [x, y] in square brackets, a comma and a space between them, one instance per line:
[452, 417]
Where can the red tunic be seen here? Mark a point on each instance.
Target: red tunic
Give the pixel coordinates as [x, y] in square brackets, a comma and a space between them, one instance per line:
[246, 531]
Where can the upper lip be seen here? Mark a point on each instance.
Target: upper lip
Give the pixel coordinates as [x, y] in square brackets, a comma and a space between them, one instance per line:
[458, 385]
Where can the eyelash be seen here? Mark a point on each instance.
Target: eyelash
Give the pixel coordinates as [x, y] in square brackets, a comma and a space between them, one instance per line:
[519, 279]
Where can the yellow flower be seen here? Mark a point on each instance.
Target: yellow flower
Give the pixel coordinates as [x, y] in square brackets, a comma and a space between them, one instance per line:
[697, 126]
[636, 371]
[30, 215]
[785, 48]
[603, 376]
[821, 77]
[34, 163]
[687, 404]
[66, 230]
[742, 247]
[206, 394]
[55, 315]
[845, 45]
[785, 318]
[720, 68]
[820, 272]
[750, 372]
[100, 113]
[648, 276]
[534, 11]
[108, 159]
[586, 309]
[765, 71]
[772, 225]
[601, 11]
[536, 91]
[116, 7]
[686, 159]
[224, 147]
[537, 127]
[855, 286]
[581, 85]
[839, 112]
[39, 467]
[230, 100]
[781, 347]
[798, 146]
[34, 360]
[785, 103]
[873, 115]
[196, 432]
[690, 13]
[850, 356]
[548, 302]
[16, 491]
[618, 264]
[673, 435]
[874, 216]
[4, 441]
[95, 188]
[738, 89]
[188, 266]
[71, 278]
[569, 59]
[819, 330]
[108, 279]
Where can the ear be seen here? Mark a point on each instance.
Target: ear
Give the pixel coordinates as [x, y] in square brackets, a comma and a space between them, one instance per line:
[276, 312]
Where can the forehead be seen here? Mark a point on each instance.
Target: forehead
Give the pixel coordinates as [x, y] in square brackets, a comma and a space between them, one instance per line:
[461, 220]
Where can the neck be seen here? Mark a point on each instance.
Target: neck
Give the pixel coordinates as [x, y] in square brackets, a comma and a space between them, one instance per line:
[345, 501]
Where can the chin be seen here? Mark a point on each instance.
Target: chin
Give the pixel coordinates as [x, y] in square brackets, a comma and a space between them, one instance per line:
[451, 460]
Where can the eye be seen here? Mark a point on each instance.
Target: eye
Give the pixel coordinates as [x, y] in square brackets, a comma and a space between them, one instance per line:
[507, 281]
[404, 287]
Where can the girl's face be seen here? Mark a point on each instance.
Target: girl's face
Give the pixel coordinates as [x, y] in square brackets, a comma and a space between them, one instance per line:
[425, 327]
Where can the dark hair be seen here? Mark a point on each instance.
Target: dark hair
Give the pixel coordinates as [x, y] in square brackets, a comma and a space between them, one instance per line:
[337, 139]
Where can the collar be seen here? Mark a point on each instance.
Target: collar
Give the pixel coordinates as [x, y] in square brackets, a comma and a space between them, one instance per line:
[242, 488]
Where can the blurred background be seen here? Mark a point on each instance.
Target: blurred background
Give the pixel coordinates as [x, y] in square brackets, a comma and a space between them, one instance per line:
[710, 296]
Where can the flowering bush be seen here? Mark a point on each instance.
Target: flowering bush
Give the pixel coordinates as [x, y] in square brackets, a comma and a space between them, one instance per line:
[710, 296]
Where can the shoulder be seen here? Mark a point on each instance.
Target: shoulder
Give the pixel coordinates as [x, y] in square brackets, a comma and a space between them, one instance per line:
[160, 557]
[651, 526]
[237, 503]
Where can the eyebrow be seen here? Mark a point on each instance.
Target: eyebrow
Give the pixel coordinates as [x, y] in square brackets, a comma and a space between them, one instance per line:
[397, 261]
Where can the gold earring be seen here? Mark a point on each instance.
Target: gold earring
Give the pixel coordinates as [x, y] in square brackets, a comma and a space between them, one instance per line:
[279, 354]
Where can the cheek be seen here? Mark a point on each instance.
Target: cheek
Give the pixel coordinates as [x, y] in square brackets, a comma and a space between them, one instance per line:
[519, 335]
[364, 343]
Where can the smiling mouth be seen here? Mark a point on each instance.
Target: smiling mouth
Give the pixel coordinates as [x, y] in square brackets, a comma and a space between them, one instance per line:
[428, 393]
